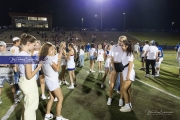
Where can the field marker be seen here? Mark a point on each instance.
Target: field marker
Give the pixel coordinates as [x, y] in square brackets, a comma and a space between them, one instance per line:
[159, 89]
[11, 109]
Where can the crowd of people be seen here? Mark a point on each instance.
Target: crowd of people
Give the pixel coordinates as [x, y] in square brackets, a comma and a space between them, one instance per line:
[55, 60]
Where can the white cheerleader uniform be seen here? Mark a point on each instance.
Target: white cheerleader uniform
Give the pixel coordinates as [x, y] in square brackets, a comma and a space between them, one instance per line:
[100, 55]
[71, 63]
[63, 61]
[125, 60]
[51, 76]
[108, 60]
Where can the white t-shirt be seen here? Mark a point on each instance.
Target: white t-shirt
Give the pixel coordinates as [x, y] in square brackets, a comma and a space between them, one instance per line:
[92, 51]
[116, 52]
[21, 67]
[81, 52]
[49, 72]
[56, 58]
[145, 49]
[100, 53]
[152, 52]
[136, 47]
[14, 50]
[125, 60]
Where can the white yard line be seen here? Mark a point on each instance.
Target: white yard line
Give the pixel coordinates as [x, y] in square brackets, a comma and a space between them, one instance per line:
[159, 89]
[11, 109]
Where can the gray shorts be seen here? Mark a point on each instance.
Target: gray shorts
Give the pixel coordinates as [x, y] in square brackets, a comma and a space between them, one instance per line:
[8, 79]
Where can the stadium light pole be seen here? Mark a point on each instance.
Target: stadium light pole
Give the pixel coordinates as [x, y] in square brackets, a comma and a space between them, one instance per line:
[82, 22]
[124, 21]
[101, 15]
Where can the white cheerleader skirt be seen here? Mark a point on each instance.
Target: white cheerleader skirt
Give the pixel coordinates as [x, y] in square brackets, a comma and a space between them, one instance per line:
[100, 59]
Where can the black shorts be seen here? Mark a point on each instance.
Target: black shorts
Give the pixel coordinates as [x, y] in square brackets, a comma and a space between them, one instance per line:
[118, 67]
[142, 59]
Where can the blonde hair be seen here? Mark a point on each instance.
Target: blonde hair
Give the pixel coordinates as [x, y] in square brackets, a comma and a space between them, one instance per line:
[61, 44]
[123, 37]
[99, 46]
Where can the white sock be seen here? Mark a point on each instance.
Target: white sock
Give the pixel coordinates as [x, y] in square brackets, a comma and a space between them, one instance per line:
[120, 99]
[130, 105]
[157, 71]
[127, 105]
[58, 117]
[43, 94]
[47, 115]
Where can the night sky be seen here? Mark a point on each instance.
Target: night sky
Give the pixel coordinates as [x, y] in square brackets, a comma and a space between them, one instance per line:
[157, 14]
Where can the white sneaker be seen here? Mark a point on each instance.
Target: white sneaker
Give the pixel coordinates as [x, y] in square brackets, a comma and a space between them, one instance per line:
[109, 82]
[49, 118]
[16, 100]
[102, 71]
[125, 109]
[71, 87]
[156, 75]
[120, 102]
[109, 101]
[48, 97]
[118, 92]
[99, 71]
[55, 99]
[61, 118]
[43, 97]
[60, 82]
[102, 86]
[93, 71]
[66, 83]
[147, 75]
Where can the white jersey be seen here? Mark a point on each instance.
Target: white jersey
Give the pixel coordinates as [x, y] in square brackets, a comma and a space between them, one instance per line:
[100, 53]
[92, 51]
[108, 60]
[70, 62]
[14, 50]
[49, 72]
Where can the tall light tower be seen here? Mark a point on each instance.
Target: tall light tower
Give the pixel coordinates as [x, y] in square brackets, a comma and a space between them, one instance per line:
[101, 15]
[82, 22]
[124, 21]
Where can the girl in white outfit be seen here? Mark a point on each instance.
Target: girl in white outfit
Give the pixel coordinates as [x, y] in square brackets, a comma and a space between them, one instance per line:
[50, 69]
[107, 65]
[27, 81]
[128, 74]
[100, 57]
[92, 54]
[71, 65]
[63, 64]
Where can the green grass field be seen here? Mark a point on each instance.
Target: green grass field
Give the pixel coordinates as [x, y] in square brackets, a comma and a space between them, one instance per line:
[171, 39]
[88, 101]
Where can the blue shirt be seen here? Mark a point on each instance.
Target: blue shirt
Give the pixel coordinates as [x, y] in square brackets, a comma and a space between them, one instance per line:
[177, 46]
[160, 54]
[141, 48]
[88, 47]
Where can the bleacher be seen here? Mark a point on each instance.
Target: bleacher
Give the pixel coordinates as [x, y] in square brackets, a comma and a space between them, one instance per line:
[83, 38]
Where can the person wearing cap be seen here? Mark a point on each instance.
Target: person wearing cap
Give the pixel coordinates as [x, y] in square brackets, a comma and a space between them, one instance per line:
[6, 72]
[152, 57]
[15, 50]
[136, 50]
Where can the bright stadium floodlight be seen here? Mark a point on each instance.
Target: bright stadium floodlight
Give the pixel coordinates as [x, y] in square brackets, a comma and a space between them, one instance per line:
[124, 21]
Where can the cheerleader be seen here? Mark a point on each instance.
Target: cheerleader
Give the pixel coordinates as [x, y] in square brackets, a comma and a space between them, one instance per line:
[128, 74]
[107, 65]
[63, 64]
[40, 74]
[27, 81]
[50, 69]
[100, 58]
[92, 54]
[71, 65]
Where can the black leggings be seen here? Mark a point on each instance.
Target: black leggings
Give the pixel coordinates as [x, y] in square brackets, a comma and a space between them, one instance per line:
[152, 63]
